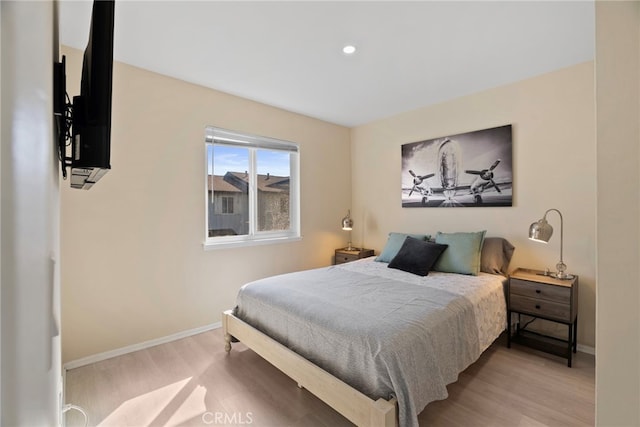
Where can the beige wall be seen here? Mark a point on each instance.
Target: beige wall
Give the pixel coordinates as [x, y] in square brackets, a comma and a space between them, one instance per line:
[618, 213]
[134, 268]
[554, 167]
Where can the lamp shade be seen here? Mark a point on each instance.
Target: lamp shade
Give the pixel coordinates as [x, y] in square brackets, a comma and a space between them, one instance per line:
[540, 231]
[347, 222]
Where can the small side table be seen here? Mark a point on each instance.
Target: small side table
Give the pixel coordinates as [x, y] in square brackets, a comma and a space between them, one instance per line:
[536, 294]
[345, 255]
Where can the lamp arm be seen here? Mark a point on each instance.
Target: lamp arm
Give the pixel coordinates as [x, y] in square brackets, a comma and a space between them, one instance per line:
[561, 229]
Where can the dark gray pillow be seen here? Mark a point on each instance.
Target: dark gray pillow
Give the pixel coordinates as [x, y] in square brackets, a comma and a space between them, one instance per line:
[496, 255]
[417, 256]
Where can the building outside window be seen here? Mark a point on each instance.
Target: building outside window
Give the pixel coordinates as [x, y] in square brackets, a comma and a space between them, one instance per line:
[252, 189]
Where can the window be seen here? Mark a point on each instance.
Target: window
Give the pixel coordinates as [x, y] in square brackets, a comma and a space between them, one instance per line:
[252, 191]
[227, 205]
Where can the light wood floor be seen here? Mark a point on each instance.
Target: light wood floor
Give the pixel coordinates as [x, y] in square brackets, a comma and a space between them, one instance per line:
[192, 382]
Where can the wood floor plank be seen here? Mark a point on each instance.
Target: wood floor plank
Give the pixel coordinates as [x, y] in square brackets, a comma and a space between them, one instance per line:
[193, 382]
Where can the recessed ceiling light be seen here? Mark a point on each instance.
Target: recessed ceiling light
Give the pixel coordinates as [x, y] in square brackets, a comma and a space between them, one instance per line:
[349, 49]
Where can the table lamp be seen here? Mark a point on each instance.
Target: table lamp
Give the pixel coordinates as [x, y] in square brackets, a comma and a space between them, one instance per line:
[541, 231]
[347, 225]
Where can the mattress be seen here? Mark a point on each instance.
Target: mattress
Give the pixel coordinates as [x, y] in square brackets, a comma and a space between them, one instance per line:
[383, 331]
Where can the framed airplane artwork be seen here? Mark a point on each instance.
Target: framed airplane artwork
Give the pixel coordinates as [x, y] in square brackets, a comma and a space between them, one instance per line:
[472, 169]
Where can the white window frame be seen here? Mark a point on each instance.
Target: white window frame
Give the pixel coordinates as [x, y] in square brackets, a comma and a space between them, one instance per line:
[214, 135]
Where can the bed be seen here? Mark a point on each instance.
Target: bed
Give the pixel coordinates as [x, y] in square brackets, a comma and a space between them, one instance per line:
[375, 341]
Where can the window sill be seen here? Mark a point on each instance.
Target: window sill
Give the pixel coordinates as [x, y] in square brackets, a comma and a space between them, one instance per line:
[209, 246]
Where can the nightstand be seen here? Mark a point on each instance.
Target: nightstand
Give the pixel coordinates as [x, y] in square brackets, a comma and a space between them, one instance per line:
[345, 255]
[533, 293]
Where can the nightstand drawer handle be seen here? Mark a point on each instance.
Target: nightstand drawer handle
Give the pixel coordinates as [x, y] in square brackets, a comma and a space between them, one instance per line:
[538, 291]
[537, 307]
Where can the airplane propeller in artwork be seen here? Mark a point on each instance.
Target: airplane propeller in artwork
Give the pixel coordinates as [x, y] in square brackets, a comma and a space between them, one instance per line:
[483, 181]
[419, 188]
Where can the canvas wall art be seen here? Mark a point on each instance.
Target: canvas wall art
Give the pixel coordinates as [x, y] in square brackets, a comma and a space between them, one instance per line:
[472, 169]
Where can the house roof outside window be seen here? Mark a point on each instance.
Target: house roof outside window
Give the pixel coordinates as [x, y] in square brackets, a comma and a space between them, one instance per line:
[237, 182]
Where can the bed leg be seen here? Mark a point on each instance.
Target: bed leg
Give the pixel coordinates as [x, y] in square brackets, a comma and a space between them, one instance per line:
[225, 329]
[227, 343]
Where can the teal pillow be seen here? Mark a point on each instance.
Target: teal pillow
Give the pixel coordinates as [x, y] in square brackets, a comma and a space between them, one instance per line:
[462, 254]
[394, 243]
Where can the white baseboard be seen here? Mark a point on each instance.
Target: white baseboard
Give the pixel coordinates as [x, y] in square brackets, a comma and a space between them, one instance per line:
[162, 340]
[586, 349]
[140, 346]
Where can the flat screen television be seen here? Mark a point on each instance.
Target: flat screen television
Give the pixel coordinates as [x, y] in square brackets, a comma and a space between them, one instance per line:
[90, 113]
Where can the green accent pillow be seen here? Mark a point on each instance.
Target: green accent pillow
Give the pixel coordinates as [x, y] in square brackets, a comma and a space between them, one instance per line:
[463, 254]
[394, 243]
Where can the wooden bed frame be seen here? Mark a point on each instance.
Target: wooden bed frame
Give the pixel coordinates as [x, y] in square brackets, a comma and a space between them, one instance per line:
[353, 405]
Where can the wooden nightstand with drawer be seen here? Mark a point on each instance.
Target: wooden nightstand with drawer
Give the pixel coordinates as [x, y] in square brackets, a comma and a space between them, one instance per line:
[535, 294]
[346, 255]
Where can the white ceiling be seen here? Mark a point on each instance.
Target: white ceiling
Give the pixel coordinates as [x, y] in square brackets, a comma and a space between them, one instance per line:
[289, 54]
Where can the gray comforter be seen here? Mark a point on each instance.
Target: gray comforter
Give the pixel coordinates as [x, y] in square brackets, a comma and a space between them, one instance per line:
[383, 336]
